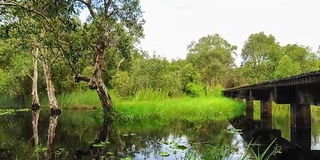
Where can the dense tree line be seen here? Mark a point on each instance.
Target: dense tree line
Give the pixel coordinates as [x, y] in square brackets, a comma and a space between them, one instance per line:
[102, 52]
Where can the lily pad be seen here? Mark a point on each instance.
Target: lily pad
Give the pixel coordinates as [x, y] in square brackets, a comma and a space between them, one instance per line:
[164, 154]
[110, 153]
[126, 158]
[166, 143]
[182, 147]
[97, 145]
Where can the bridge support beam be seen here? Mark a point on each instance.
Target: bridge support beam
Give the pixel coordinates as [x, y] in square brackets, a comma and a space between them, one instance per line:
[301, 125]
[301, 119]
[266, 111]
[300, 115]
[249, 108]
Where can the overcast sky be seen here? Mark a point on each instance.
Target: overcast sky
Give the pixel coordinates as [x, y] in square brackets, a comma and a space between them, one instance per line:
[172, 24]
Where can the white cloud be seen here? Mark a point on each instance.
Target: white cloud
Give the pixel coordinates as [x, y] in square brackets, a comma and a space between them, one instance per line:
[172, 24]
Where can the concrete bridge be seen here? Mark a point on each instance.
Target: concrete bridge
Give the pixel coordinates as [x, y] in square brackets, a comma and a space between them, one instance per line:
[300, 91]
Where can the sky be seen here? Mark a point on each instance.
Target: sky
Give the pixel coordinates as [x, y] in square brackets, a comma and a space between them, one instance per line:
[171, 25]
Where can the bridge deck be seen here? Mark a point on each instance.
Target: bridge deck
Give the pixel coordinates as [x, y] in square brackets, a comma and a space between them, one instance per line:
[301, 79]
[303, 89]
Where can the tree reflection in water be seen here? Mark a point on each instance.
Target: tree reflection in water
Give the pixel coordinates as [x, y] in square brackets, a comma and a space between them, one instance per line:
[35, 120]
[78, 133]
[53, 121]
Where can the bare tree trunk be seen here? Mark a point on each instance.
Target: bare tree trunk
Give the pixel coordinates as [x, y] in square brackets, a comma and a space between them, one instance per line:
[35, 96]
[35, 99]
[50, 90]
[53, 121]
[97, 83]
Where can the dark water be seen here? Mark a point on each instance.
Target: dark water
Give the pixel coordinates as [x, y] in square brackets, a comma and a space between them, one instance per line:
[78, 135]
[281, 138]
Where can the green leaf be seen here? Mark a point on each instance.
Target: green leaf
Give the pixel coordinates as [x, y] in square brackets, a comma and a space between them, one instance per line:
[164, 154]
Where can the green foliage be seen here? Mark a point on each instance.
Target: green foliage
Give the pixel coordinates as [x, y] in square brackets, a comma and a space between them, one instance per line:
[122, 83]
[215, 91]
[194, 90]
[260, 54]
[264, 59]
[212, 56]
[287, 67]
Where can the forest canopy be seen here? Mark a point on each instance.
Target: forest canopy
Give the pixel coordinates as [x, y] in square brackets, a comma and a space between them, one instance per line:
[102, 52]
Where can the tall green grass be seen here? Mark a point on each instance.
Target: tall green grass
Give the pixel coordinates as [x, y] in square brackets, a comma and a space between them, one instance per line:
[192, 109]
[79, 100]
[148, 104]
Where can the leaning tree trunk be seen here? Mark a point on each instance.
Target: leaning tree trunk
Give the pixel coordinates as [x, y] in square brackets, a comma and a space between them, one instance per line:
[35, 100]
[97, 83]
[50, 89]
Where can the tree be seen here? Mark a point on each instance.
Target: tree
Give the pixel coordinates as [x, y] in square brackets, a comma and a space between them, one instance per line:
[28, 33]
[287, 67]
[302, 56]
[260, 55]
[212, 57]
[112, 27]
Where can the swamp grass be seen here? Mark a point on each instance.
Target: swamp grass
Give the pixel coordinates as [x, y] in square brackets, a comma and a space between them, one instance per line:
[150, 105]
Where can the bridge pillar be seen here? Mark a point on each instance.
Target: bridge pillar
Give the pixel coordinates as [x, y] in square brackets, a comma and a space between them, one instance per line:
[301, 125]
[301, 121]
[249, 108]
[266, 111]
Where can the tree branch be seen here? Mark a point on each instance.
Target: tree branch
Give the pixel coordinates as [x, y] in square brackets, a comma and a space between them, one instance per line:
[25, 8]
[78, 78]
[89, 6]
[119, 63]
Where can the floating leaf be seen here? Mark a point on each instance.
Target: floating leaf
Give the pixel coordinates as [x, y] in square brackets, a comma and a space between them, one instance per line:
[182, 147]
[126, 158]
[97, 145]
[164, 154]
[166, 143]
[110, 153]
[105, 143]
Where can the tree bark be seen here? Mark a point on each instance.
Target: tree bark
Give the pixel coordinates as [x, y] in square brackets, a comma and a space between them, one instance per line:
[97, 83]
[35, 97]
[50, 90]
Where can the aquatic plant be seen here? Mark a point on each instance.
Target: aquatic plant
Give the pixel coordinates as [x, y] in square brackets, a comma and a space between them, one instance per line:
[13, 111]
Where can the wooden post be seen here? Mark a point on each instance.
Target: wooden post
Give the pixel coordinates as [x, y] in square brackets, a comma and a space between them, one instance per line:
[249, 108]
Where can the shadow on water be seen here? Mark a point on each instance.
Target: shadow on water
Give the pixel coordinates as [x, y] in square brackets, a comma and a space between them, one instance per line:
[81, 135]
[263, 136]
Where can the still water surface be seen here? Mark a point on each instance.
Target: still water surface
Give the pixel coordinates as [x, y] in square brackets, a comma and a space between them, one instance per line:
[78, 135]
